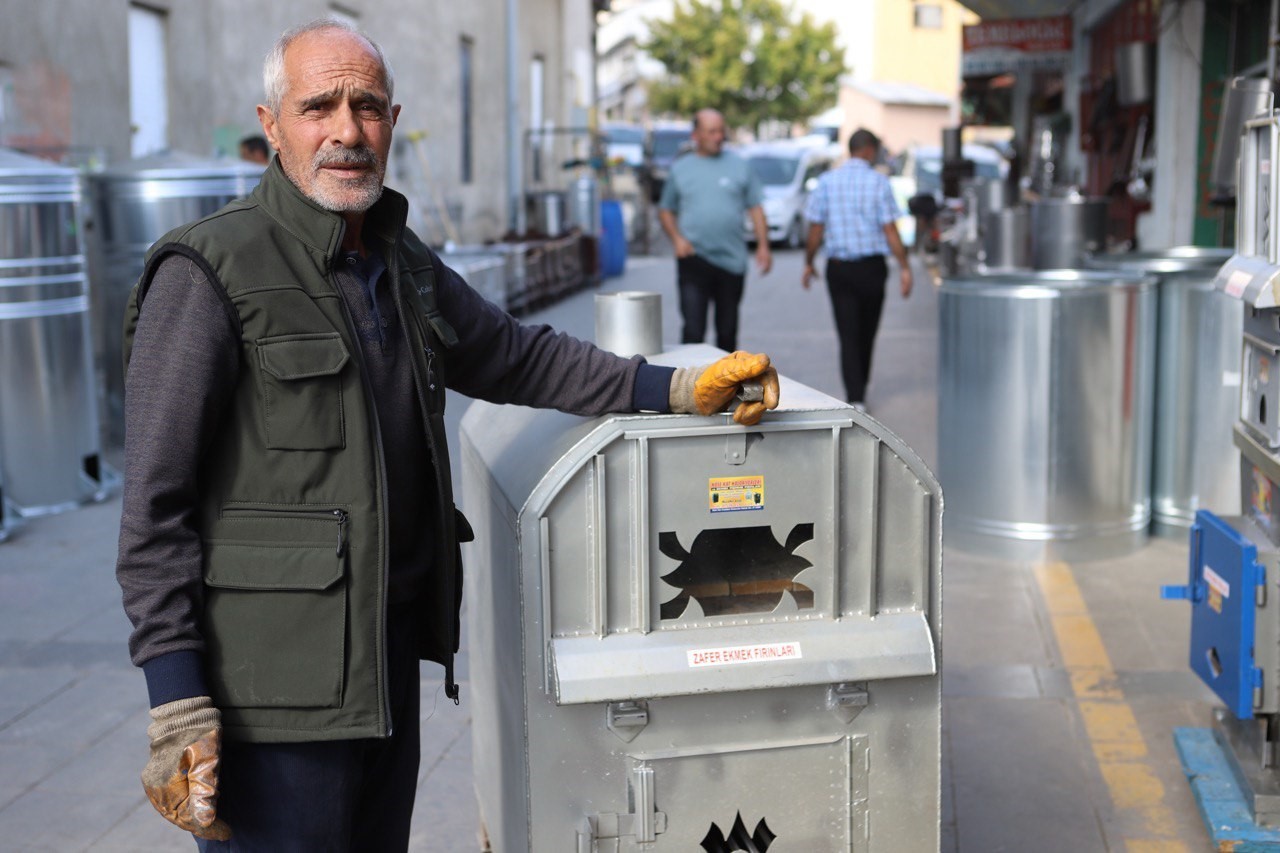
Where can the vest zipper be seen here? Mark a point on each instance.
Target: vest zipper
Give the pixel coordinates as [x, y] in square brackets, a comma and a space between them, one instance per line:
[366, 387]
[338, 515]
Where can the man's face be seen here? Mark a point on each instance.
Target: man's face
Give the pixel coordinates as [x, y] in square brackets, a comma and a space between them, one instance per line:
[708, 136]
[333, 129]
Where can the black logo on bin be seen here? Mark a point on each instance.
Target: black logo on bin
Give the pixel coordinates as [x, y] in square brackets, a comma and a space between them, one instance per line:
[738, 841]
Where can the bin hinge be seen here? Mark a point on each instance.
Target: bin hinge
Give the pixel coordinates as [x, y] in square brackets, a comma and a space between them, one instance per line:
[846, 700]
[644, 825]
[735, 447]
[627, 719]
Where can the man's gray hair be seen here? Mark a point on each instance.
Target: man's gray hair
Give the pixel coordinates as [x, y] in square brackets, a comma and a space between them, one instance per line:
[273, 82]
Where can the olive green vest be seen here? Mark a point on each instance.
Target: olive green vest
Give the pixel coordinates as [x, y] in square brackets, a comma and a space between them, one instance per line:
[292, 512]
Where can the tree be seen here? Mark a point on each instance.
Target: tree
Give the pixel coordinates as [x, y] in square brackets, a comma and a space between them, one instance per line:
[751, 59]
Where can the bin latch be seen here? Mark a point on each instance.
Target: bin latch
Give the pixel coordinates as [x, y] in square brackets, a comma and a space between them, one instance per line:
[644, 825]
[627, 719]
[846, 700]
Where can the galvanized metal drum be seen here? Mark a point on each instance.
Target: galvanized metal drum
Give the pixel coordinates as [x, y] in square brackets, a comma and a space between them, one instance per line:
[135, 204]
[1066, 231]
[49, 445]
[1196, 464]
[1045, 387]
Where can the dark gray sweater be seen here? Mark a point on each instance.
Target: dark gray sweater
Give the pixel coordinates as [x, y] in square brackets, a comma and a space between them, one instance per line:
[181, 379]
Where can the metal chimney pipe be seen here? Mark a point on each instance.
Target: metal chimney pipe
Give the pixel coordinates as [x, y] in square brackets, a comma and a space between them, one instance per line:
[629, 322]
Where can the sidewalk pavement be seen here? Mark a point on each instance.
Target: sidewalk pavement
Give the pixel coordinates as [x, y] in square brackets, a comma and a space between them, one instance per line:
[1024, 766]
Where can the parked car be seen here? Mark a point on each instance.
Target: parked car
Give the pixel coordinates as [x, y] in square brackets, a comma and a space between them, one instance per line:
[921, 173]
[666, 142]
[788, 171]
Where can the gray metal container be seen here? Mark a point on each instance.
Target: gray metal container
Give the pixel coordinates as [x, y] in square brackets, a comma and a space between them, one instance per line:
[677, 624]
[584, 204]
[1066, 231]
[1045, 388]
[49, 444]
[134, 204]
[1243, 99]
[1006, 239]
[1195, 463]
[629, 322]
[484, 269]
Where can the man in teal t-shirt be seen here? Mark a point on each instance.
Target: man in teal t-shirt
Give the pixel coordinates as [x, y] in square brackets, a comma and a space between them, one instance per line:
[701, 211]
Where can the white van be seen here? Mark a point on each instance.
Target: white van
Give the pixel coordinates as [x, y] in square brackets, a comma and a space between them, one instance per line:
[788, 171]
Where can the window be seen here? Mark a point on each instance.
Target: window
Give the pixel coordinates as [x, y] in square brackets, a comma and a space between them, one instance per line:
[465, 68]
[148, 81]
[928, 16]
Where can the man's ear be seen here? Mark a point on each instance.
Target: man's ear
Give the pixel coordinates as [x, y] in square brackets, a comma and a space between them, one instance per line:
[395, 114]
[268, 121]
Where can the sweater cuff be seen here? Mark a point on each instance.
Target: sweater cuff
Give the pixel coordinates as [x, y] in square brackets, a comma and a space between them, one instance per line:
[174, 676]
[652, 390]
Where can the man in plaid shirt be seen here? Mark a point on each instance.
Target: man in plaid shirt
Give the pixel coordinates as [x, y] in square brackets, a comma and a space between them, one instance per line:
[853, 212]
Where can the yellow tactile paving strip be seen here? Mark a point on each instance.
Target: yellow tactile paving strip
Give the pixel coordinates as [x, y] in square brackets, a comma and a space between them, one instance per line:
[1118, 745]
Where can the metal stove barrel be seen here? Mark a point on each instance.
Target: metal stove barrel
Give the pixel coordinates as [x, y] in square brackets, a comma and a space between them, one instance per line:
[1197, 395]
[49, 444]
[134, 205]
[1045, 384]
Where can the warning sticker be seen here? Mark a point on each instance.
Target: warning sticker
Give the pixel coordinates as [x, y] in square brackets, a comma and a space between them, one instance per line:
[1219, 588]
[744, 654]
[733, 494]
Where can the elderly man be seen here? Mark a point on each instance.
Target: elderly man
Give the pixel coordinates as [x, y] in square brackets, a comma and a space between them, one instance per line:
[701, 211]
[289, 543]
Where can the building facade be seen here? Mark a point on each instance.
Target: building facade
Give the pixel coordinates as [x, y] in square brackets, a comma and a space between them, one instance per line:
[96, 82]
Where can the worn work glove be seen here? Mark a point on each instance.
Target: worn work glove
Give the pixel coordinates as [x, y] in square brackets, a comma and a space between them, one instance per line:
[181, 779]
[709, 389]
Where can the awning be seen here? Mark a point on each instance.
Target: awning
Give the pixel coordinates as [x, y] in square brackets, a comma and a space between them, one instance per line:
[993, 9]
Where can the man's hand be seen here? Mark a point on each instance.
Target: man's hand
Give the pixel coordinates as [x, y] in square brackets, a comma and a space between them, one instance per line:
[710, 389]
[181, 778]
[905, 280]
[682, 246]
[809, 274]
[764, 258]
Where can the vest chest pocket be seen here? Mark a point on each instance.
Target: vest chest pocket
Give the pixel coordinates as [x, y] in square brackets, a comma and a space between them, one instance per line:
[302, 391]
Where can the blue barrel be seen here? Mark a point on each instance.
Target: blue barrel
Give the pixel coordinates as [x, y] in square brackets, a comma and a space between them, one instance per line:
[613, 239]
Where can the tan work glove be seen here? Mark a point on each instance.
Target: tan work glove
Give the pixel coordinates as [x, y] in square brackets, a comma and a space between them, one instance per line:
[181, 779]
[709, 389]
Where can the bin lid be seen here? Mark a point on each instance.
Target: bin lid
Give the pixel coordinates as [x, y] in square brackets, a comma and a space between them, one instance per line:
[1249, 278]
[178, 164]
[18, 164]
[1163, 261]
[1050, 283]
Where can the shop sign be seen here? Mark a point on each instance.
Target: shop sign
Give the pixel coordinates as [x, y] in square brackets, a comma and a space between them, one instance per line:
[997, 47]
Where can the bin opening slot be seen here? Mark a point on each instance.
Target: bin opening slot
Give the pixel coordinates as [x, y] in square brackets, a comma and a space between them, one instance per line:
[736, 570]
[738, 838]
[92, 468]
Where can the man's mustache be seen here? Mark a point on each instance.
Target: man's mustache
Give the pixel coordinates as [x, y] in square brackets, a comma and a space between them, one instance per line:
[361, 156]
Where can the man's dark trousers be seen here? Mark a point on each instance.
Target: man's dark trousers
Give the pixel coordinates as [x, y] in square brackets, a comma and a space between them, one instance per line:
[702, 282]
[857, 298]
[343, 795]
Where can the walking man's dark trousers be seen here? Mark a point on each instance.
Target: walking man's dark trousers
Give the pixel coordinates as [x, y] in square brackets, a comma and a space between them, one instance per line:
[702, 282]
[857, 298]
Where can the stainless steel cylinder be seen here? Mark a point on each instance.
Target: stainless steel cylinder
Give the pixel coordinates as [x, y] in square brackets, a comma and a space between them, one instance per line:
[134, 205]
[49, 444]
[1006, 239]
[629, 322]
[1045, 388]
[1195, 462]
[584, 205]
[1066, 231]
